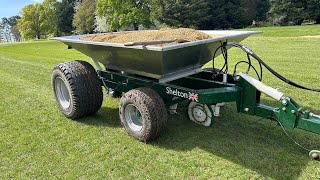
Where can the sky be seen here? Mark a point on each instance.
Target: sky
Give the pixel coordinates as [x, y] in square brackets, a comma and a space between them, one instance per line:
[10, 8]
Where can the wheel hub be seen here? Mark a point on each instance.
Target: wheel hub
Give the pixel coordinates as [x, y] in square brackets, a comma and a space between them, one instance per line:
[62, 93]
[315, 155]
[199, 114]
[133, 117]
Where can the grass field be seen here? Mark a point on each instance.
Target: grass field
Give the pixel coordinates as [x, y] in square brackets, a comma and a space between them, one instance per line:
[38, 142]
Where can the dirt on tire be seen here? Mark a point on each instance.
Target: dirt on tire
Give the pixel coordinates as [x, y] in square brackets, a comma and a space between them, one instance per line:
[185, 34]
[153, 111]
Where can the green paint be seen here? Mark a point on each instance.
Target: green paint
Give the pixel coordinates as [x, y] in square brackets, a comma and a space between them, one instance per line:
[211, 92]
[312, 124]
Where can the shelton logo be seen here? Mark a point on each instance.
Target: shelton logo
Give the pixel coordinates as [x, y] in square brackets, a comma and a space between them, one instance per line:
[189, 95]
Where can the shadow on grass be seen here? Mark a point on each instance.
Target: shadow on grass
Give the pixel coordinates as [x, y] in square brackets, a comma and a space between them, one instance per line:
[258, 145]
[106, 116]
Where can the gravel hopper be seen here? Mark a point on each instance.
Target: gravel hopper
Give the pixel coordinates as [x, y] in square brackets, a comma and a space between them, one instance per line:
[152, 80]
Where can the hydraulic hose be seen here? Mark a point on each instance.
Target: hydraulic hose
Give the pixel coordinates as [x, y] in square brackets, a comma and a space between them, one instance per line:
[251, 53]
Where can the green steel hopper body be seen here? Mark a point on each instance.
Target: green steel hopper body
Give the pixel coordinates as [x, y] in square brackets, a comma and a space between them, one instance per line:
[165, 76]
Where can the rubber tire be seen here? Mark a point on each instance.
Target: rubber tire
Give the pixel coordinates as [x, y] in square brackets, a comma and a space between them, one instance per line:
[84, 88]
[152, 108]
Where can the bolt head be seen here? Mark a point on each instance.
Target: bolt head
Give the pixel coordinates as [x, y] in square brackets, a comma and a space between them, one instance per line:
[246, 109]
[284, 102]
[284, 108]
[293, 111]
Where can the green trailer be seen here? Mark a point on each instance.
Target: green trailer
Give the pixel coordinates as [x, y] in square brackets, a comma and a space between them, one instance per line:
[152, 81]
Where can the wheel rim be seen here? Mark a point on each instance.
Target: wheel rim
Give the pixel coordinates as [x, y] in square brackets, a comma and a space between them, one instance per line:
[315, 155]
[133, 117]
[62, 93]
[199, 114]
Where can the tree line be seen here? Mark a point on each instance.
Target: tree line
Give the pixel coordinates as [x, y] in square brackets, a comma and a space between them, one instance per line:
[9, 31]
[65, 17]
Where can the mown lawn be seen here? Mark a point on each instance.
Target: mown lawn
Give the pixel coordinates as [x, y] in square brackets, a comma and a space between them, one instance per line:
[37, 141]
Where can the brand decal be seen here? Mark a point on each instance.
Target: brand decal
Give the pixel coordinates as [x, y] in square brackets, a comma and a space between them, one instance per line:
[193, 97]
[176, 92]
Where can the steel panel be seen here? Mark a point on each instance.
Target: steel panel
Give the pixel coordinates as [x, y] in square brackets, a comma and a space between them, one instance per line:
[165, 63]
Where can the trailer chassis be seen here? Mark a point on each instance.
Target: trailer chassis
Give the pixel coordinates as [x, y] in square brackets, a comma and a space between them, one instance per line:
[202, 89]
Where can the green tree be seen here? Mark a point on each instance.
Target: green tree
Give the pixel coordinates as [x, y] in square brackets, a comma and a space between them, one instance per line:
[29, 24]
[239, 14]
[218, 15]
[235, 15]
[289, 11]
[84, 18]
[182, 13]
[65, 13]
[1, 33]
[11, 26]
[125, 13]
[255, 10]
[38, 20]
[101, 25]
[210, 14]
[5, 31]
[314, 10]
[48, 17]
[263, 7]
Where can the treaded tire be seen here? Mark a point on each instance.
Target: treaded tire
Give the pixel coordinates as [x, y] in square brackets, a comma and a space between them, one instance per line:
[153, 113]
[82, 86]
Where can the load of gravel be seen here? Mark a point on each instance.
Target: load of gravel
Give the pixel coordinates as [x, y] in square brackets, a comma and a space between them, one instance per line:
[180, 35]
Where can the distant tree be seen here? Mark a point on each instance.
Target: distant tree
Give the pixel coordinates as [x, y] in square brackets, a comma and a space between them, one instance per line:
[295, 12]
[5, 31]
[12, 22]
[289, 12]
[235, 15]
[38, 20]
[255, 10]
[65, 13]
[1, 35]
[9, 30]
[30, 24]
[217, 10]
[101, 25]
[263, 7]
[314, 10]
[182, 13]
[48, 17]
[125, 13]
[210, 14]
[84, 18]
